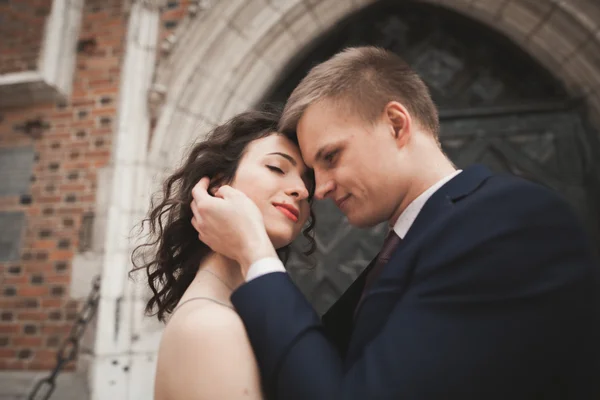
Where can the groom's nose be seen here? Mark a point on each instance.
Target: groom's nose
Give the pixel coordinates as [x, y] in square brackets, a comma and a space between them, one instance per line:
[324, 188]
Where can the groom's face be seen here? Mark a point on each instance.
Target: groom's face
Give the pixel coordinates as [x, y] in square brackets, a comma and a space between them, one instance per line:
[355, 162]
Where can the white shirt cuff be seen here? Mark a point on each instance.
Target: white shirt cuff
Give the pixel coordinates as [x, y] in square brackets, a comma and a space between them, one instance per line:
[264, 266]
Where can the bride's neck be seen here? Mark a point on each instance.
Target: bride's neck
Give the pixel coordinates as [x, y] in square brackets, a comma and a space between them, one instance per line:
[226, 270]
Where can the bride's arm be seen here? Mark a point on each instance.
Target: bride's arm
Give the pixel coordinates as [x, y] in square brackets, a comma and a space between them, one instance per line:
[206, 354]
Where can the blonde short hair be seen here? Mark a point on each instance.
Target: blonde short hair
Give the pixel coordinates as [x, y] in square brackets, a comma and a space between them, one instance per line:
[364, 79]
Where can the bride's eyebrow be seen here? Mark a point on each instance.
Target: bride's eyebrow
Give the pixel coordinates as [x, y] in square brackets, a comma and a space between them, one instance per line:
[286, 156]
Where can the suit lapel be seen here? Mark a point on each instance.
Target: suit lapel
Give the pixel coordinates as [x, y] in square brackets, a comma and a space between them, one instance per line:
[387, 290]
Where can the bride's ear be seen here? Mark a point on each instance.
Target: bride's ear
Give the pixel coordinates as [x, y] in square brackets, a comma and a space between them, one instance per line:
[215, 183]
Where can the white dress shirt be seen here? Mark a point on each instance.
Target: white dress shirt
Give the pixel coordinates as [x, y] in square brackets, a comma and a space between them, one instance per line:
[407, 218]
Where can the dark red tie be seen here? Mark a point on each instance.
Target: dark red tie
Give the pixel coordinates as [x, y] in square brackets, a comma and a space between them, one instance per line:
[390, 244]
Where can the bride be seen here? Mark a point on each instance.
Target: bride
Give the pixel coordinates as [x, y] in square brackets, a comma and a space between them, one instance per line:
[204, 351]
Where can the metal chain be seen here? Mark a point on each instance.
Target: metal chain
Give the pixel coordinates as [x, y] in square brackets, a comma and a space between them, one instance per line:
[68, 351]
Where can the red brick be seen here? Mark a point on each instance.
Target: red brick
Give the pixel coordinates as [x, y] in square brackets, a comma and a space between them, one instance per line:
[35, 211]
[85, 123]
[50, 199]
[9, 328]
[7, 353]
[61, 135]
[11, 364]
[32, 316]
[56, 329]
[72, 188]
[44, 365]
[66, 279]
[84, 101]
[27, 341]
[87, 198]
[101, 83]
[104, 111]
[106, 90]
[45, 355]
[65, 114]
[71, 211]
[44, 244]
[61, 255]
[51, 303]
[32, 291]
[67, 166]
[12, 280]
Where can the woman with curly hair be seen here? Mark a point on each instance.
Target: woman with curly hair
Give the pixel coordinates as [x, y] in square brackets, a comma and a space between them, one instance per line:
[204, 351]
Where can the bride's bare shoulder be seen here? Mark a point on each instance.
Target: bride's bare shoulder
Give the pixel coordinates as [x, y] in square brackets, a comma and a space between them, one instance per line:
[203, 318]
[209, 338]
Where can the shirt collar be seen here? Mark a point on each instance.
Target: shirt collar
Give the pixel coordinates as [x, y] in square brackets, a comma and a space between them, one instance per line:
[409, 215]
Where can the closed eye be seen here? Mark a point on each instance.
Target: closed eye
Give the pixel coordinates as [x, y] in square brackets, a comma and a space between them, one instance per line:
[276, 169]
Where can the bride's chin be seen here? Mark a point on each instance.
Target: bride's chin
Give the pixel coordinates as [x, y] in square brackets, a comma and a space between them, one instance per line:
[278, 243]
[280, 231]
[280, 239]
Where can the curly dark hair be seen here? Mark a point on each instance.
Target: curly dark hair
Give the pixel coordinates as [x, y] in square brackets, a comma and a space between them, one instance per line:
[173, 254]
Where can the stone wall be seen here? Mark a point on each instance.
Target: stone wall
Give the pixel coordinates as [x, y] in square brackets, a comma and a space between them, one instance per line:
[68, 140]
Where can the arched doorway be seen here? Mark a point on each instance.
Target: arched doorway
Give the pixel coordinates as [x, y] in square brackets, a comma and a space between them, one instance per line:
[497, 107]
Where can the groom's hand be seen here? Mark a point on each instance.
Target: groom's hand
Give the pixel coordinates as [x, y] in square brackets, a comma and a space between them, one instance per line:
[230, 224]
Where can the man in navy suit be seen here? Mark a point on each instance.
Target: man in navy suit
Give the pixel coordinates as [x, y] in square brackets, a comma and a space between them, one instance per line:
[486, 287]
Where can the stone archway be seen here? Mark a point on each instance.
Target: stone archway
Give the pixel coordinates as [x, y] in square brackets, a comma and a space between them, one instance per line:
[225, 57]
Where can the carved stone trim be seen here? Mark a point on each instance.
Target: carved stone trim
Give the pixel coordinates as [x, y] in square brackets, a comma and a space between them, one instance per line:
[121, 336]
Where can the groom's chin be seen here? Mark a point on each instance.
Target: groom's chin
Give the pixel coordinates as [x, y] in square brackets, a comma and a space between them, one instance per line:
[361, 221]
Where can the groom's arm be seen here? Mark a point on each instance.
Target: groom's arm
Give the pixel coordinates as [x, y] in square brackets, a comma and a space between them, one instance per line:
[278, 318]
[458, 327]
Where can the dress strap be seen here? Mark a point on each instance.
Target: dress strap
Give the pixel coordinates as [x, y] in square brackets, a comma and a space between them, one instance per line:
[202, 298]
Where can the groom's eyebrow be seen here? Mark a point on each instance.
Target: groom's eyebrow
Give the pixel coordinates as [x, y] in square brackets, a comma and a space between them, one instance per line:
[286, 156]
[328, 147]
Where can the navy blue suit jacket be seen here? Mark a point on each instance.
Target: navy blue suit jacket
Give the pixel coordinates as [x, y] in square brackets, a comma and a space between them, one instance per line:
[493, 294]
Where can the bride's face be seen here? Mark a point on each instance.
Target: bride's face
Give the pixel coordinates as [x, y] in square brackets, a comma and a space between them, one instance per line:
[273, 175]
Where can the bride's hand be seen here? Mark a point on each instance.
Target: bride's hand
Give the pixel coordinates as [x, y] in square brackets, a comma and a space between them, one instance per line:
[230, 224]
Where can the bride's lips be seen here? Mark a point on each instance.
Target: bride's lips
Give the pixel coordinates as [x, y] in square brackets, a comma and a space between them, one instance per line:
[288, 210]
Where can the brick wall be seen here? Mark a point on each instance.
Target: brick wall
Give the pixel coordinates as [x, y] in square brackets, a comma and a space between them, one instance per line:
[21, 30]
[71, 141]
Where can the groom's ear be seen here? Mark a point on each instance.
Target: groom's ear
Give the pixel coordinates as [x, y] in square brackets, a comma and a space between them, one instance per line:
[399, 120]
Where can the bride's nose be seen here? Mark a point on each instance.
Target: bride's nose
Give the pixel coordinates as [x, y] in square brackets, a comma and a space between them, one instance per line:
[298, 191]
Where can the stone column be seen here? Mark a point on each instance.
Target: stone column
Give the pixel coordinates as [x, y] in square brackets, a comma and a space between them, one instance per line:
[122, 366]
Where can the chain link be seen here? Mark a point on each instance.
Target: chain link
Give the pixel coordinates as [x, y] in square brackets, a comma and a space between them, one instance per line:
[69, 349]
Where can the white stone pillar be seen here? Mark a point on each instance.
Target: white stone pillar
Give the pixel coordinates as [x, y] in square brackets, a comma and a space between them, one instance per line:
[122, 366]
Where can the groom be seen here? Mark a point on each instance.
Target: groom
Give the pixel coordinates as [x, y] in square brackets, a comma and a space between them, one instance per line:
[485, 287]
